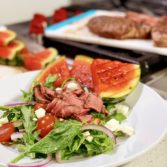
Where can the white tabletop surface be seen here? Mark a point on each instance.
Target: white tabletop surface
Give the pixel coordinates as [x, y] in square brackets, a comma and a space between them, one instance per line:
[157, 157]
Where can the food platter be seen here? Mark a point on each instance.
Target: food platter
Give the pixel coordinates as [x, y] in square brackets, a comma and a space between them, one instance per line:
[148, 117]
[75, 29]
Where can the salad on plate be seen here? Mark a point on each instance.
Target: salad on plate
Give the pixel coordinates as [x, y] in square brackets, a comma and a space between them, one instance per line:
[70, 112]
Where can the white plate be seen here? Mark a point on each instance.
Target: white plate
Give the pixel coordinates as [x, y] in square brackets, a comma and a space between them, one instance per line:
[75, 29]
[148, 117]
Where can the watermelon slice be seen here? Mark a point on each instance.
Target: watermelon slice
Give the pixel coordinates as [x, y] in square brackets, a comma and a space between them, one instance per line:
[81, 70]
[114, 79]
[9, 51]
[36, 61]
[6, 36]
[58, 67]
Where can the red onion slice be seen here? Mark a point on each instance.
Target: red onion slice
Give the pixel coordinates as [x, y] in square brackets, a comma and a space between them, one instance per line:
[100, 128]
[21, 104]
[36, 164]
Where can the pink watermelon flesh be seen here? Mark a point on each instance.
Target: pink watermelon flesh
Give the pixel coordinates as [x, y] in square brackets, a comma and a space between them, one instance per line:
[9, 52]
[6, 37]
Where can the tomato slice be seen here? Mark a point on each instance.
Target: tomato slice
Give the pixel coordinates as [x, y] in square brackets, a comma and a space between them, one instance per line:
[81, 70]
[6, 131]
[113, 77]
[45, 124]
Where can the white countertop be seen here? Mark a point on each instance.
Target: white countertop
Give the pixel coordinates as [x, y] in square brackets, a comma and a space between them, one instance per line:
[156, 157]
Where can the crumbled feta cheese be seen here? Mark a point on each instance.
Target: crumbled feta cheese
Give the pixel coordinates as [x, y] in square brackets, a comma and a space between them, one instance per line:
[40, 112]
[115, 126]
[72, 86]
[85, 134]
[127, 130]
[4, 120]
[121, 108]
[89, 138]
[58, 89]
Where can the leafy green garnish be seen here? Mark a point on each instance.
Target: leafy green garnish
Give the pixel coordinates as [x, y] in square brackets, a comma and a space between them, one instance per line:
[111, 108]
[97, 115]
[27, 96]
[50, 80]
[59, 138]
[118, 116]
[119, 133]
[12, 113]
[30, 135]
[101, 143]
[29, 125]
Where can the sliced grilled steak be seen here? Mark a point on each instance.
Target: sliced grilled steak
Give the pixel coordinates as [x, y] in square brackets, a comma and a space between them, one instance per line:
[117, 27]
[142, 18]
[69, 103]
[159, 32]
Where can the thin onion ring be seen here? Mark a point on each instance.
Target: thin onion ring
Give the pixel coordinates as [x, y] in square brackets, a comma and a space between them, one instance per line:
[36, 164]
[101, 128]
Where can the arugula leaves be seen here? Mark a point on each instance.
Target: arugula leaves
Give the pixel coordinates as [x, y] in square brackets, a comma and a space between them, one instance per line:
[27, 96]
[59, 138]
[12, 113]
[30, 135]
[118, 116]
[101, 143]
[50, 80]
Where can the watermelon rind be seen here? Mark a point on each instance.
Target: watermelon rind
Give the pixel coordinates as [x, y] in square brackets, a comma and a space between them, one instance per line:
[54, 53]
[84, 58]
[19, 45]
[50, 65]
[12, 36]
[126, 90]
[13, 50]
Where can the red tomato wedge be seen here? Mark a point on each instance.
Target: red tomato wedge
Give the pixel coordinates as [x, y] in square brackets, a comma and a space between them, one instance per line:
[45, 124]
[113, 79]
[58, 67]
[6, 131]
[81, 70]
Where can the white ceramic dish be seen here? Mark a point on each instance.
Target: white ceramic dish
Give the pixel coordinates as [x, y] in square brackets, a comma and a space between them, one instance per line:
[148, 117]
[75, 29]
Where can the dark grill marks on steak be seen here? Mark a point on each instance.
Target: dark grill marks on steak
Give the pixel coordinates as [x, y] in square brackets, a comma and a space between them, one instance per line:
[159, 32]
[75, 103]
[118, 27]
